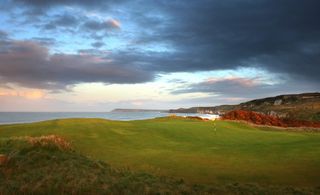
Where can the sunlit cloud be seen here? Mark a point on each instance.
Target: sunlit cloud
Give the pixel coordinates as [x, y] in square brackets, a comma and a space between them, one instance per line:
[113, 22]
[31, 94]
[243, 82]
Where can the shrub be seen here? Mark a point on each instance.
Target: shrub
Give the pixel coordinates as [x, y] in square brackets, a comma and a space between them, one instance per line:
[262, 119]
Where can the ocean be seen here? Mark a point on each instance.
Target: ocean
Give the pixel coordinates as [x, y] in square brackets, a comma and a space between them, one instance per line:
[28, 117]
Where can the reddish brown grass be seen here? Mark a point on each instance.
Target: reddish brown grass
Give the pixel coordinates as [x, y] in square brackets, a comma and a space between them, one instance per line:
[262, 119]
[47, 140]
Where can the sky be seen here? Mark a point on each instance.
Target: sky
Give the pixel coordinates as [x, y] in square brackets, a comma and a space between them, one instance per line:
[98, 55]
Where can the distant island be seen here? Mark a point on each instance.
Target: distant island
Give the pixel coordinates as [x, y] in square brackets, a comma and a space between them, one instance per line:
[136, 110]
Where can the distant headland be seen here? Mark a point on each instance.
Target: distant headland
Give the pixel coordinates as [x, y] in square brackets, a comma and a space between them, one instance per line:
[136, 110]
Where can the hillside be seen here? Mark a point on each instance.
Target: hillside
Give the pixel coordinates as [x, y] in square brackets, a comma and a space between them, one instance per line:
[234, 156]
[43, 165]
[304, 106]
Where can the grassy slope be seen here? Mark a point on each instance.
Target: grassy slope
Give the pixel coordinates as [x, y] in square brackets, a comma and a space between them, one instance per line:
[191, 149]
[46, 168]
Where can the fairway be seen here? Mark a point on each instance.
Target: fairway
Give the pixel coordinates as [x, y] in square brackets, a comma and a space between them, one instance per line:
[191, 149]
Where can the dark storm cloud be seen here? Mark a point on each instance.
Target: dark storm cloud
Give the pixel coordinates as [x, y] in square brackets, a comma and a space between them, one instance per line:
[235, 86]
[239, 87]
[225, 86]
[29, 64]
[281, 36]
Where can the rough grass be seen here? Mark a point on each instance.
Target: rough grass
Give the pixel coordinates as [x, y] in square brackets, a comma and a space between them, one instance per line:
[46, 166]
[234, 156]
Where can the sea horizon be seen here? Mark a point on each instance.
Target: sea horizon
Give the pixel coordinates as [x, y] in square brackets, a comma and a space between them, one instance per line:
[29, 117]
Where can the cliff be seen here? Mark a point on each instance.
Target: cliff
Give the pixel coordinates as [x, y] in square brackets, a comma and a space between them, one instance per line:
[304, 106]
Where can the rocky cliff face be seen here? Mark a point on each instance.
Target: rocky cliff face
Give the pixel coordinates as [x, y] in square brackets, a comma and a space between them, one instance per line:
[296, 106]
[304, 106]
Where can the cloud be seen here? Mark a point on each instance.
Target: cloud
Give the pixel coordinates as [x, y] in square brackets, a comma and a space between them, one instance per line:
[44, 41]
[78, 24]
[54, 3]
[3, 35]
[279, 36]
[29, 64]
[114, 23]
[28, 94]
[226, 86]
[97, 44]
[240, 88]
[23, 104]
[58, 21]
[95, 25]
